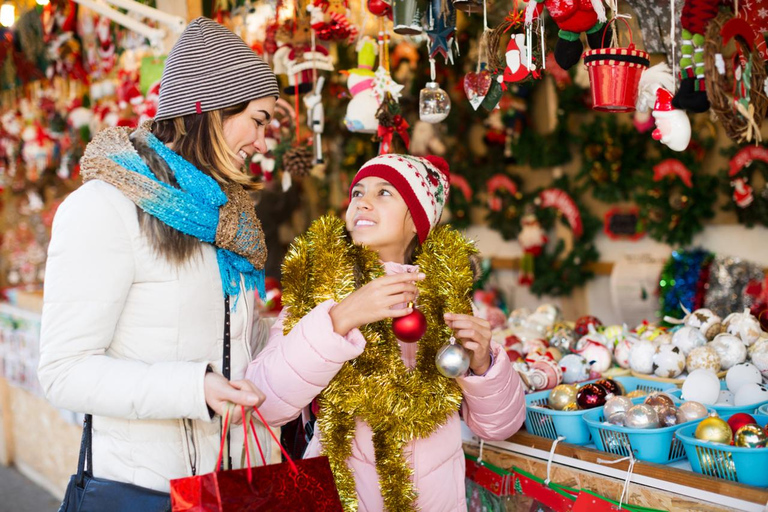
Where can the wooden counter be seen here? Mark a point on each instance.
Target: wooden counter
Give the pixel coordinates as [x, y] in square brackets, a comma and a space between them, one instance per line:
[652, 485]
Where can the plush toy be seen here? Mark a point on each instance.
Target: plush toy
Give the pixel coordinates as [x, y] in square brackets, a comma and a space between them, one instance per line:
[572, 18]
[361, 111]
[692, 94]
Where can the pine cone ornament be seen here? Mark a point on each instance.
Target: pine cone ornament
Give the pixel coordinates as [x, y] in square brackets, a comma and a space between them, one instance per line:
[298, 161]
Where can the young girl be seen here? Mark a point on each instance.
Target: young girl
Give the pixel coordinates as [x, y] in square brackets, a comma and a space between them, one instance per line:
[387, 419]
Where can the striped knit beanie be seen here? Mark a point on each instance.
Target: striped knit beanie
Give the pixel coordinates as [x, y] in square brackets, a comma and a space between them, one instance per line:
[210, 68]
[423, 182]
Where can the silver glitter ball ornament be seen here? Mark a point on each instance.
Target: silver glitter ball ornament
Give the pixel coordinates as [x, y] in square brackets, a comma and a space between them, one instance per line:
[730, 348]
[641, 416]
[615, 405]
[452, 360]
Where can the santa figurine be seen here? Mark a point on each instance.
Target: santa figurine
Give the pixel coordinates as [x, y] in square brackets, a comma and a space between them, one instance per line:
[742, 192]
[517, 60]
[532, 240]
[673, 128]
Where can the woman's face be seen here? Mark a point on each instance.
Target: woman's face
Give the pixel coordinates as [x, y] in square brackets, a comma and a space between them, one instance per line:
[378, 218]
[244, 132]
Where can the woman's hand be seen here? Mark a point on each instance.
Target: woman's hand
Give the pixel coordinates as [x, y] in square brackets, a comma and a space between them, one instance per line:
[374, 301]
[475, 335]
[219, 391]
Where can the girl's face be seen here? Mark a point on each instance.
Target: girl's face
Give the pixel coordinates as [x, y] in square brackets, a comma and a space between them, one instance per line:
[378, 218]
[244, 132]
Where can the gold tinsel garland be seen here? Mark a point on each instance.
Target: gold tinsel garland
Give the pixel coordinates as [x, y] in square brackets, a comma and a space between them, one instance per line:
[399, 405]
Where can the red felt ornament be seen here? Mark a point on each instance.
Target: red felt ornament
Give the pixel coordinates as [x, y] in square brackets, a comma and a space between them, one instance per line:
[411, 327]
[740, 419]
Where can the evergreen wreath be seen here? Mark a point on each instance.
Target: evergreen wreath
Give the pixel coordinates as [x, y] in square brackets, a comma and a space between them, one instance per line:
[610, 152]
[506, 204]
[556, 271]
[749, 203]
[674, 197]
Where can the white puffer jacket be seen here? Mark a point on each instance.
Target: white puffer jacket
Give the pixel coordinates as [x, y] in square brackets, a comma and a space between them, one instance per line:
[127, 337]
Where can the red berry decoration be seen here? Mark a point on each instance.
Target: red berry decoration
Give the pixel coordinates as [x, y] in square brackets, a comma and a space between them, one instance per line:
[740, 419]
[611, 386]
[582, 325]
[590, 396]
[410, 328]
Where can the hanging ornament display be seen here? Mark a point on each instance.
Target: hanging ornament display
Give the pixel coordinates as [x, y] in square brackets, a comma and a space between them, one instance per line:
[406, 17]
[361, 110]
[673, 128]
[674, 200]
[330, 19]
[735, 85]
[380, 8]
[750, 205]
[316, 118]
[693, 91]
[452, 359]
[505, 205]
[434, 103]
[573, 18]
[441, 29]
[557, 270]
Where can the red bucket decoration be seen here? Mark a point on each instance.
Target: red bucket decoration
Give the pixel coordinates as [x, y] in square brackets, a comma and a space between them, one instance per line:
[614, 75]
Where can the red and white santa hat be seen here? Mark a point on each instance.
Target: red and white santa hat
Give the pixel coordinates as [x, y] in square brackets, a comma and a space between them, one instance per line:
[423, 182]
[663, 106]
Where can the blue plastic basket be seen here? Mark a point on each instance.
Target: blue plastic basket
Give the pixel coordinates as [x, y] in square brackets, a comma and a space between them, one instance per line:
[726, 410]
[657, 445]
[763, 409]
[551, 424]
[744, 465]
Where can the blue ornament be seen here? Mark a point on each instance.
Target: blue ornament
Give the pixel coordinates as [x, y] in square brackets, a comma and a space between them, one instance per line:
[441, 30]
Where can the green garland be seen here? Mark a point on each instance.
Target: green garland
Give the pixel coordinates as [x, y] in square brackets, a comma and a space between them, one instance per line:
[610, 152]
[557, 272]
[506, 220]
[755, 213]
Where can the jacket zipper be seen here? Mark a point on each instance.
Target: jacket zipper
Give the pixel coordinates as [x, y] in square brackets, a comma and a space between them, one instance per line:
[247, 333]
[190, 435]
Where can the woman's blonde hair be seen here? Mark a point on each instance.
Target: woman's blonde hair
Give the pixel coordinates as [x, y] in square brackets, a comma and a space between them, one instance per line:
[199, 139]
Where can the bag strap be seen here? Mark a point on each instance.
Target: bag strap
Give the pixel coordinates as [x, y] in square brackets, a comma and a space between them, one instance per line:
[226, 370]
[85, 459]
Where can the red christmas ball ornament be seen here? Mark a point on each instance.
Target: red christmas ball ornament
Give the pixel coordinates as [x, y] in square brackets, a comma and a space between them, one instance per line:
[411, 327]
[582, 324]
[740, 419]
[591, 395]
[379, 7]
[514, 355]
[611, 386]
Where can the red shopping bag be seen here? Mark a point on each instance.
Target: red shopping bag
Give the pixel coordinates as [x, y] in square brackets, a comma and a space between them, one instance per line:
[305, 485]
[588, 501]
[558, 498]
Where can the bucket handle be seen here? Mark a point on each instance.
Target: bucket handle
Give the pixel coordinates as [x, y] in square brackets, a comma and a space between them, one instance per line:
[631, 40]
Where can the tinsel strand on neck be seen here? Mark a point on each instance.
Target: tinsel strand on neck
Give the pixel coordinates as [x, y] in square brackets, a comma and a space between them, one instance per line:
[399, 405]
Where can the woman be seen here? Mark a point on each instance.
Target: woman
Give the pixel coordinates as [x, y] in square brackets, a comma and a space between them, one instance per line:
[152, 265]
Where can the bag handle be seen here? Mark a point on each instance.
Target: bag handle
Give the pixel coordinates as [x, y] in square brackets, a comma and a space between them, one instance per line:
[85, 459]
[631, 40]
[248, 420]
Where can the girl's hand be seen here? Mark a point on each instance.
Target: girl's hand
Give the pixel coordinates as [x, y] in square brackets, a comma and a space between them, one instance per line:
[219, 391]
[475, 335]
[374, 302]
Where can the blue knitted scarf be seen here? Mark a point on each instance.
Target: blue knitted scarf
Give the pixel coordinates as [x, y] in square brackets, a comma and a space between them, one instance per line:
[199, 207]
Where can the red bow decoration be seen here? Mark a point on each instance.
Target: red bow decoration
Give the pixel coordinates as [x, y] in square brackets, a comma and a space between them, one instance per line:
[385, 133]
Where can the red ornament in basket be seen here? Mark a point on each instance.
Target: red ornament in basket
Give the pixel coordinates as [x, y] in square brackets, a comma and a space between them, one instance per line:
[614, 75]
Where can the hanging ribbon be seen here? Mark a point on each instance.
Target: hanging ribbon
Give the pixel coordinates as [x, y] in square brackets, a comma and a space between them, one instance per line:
[631, 459]
[385, 133]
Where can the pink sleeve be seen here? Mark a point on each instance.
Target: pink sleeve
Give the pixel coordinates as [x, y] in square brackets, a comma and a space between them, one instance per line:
[294, 368]
[494, 404]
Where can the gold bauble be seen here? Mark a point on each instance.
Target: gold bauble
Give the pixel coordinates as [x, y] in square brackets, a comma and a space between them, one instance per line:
[750, 436]
[571, 407]
[561, 396]
[715, 430]
[636, 393]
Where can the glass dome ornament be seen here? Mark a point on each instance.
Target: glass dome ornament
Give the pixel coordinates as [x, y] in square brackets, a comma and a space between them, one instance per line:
[434, 102]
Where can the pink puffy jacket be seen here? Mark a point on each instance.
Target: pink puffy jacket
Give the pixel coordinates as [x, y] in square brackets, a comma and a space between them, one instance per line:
[293, 369]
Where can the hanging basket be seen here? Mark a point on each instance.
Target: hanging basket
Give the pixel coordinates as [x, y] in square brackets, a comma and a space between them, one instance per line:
[614, 75]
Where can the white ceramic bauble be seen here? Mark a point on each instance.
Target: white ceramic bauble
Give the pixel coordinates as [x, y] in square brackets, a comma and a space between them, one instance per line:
[750, 394]
[706, 321]
[726, 397]
[744, 325]
[598, 355]
[575, 368]
[687, 338]
[760, 360]
[740, 374]
[705, 358]
[701, 386]
[622, 349]
[668, 362]
[662, 339]
[641, 356]
[730, 349]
